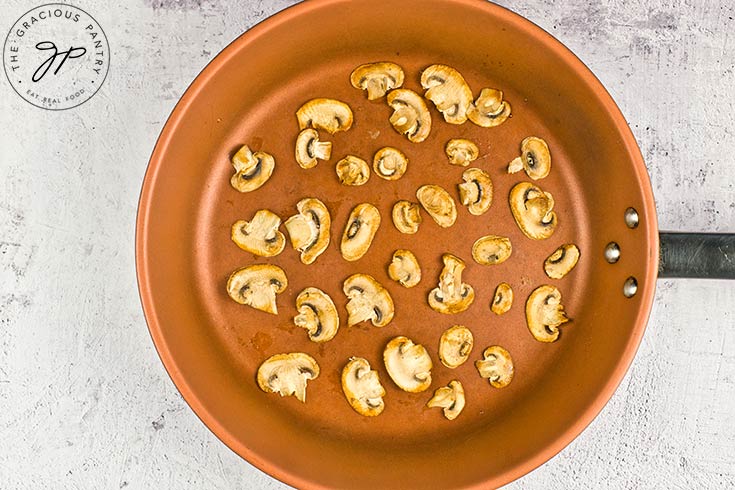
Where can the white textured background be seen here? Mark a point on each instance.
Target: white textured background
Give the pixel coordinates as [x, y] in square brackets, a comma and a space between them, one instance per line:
[84, 400]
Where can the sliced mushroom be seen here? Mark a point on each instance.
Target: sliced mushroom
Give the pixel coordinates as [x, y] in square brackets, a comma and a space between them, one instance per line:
[496, 366]
[252, 170]
[503, 299]
[476, 192]
[438, 203]
[327, 114]
[532, 209]
[408, 364]
[367, 300]
[455, 346]
[491, 250]
[404, 268]
[450, 398]
[377, 78]
[359, 232]
[452, 295]
[489, 109]
[406, 217]
[561, 261]
[410, 114]
[317, 314]
[544, 313]
[449, 92]
[461, 152]
[260, 236]
[352, 170]
[287, 374]
[390, 163]
[257, 286]
[309, 148]
[535, 158]
[362, 387]
[309, 230]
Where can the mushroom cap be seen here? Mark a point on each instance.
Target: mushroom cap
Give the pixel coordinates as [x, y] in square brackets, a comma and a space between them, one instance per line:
[252, 170]
[408, 364]
[317, 314]
[257, 286]
[367, 299]
[461, 151]
[309, 230]
[491, 250]
[476, 192]
[260, 236]
[455, 346]
[359, 231]
[404, 268]
[535, 158]
[406, 217]
[438, 203]
[362, 387]
[287, 374]
[489, 109]
[561, 261]
[390, 163]
[532, 209]
[544, 313]
[309, 148]
[449, 92]
[452, 295]
[410, 114]
[352, 170]
[503, 299]
[450, 398]
[496, 366]
[377, 78]
[328, 114]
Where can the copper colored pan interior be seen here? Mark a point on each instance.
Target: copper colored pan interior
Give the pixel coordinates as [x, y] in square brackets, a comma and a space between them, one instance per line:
[212, 346]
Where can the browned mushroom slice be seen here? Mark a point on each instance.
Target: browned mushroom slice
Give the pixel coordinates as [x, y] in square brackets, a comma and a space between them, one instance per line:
[410, 114]
[377, 78]
[408, 364]
[491, 250]
[327, 114]
[367, 300]
[544, 313]
[496, 366]
[404, 268]
[461, 152]
[438, 203]
[489, 109]
[450, 398]
[532, 209]
[455, 346]
[406, 217]
[535, 158]
[259, 236]
[287, 374]
[449, 92]
[362, 387]
[309, 230]
[252, 170]
[390, 163]
[359, 232]
[476, 192]
[257, 286]
[352, 170]
[561, 261]
[317, 314]
[503, 299]
[452, 295]
[309, 149]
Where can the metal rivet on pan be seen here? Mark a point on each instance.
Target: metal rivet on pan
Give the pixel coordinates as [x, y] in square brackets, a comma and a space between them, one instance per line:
[612, 252]
[631, 218]
[630, 287]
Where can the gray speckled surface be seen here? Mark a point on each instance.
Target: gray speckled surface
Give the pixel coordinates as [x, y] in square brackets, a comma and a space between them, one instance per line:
[84, 399]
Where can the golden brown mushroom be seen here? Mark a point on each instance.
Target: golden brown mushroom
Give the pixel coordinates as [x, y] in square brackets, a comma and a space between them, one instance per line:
[404, 268]
[489, 109]
[496, 366]
[535, 158]
[461, 152]
[252, 170]
[491, 250]
[452, 295]
[561, 261]
[390, 163]
[532, 209]
[259, 236]
[476, 192]
[309, 230]
[377, 78]
[406, 217]
[317, 314]
[410, 114]
[328, 114]
[359, 231]
[503, 299]
[287, 374]
[362, 387]
[408, 364]
[352, 170]
[455, 346]
[544, 313]
[450, 398]
[257, 286]
[367, 300]
[439, 204]
[449, 92]
[309, 149]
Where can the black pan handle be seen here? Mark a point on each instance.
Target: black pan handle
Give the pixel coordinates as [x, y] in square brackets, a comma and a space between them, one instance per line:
[702, 255]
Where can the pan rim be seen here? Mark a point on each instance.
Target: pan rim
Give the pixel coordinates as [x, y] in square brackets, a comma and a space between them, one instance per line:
[646, 284]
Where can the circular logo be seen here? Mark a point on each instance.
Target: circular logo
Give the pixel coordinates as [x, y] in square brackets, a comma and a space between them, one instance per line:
[56, 56]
